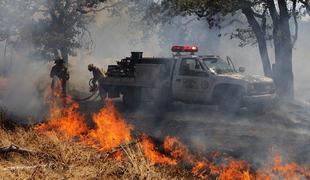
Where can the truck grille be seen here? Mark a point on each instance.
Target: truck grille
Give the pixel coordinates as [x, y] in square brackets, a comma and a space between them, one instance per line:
[262, 88]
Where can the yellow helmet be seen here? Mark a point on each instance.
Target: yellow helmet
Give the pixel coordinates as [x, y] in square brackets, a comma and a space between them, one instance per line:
[90, 67]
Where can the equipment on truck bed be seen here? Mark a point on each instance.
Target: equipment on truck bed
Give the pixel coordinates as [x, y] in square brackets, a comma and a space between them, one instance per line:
[128, 66]
[125, 67]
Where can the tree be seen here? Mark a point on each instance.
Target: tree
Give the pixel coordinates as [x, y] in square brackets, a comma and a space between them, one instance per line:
[54, 28]
[267, 20]
[15, 21]
[64, 27]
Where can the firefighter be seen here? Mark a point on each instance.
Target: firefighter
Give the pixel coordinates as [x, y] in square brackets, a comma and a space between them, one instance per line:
[97, 75]
[59, 71]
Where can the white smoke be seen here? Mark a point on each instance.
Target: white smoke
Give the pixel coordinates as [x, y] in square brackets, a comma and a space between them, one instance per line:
[24, 94]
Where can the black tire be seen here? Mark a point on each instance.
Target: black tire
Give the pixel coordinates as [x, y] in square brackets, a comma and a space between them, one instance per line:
[230, 101]
[260, 109]
[164, 102]
[132, 98]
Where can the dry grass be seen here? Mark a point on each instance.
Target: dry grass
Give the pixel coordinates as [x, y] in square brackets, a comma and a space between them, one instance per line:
[74, 161]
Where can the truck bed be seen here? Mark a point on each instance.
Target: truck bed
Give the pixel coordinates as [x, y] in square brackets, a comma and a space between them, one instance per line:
[126, 81]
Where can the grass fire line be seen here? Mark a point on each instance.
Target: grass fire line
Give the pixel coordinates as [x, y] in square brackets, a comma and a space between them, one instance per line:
[112, 131]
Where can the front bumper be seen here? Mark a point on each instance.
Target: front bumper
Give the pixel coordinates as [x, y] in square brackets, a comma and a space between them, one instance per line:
[259, 99]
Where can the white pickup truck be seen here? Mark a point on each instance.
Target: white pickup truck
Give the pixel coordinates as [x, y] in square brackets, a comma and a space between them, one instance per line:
[185, 77]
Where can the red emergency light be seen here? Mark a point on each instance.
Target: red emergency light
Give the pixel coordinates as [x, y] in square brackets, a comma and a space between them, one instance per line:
[191, 49]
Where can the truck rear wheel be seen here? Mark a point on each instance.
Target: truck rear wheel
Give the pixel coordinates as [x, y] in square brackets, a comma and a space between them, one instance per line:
[102, 93]
[132, 97]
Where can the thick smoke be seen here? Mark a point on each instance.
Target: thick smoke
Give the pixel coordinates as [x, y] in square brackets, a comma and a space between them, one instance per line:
[25, 92]
[29, 80]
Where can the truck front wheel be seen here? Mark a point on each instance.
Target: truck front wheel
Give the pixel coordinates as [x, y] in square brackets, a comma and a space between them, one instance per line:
[231, 99]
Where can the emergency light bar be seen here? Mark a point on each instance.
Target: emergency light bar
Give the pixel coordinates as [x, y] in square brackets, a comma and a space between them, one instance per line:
[191, 49]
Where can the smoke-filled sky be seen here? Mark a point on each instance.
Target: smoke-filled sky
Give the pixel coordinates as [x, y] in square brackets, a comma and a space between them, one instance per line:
[115, 38]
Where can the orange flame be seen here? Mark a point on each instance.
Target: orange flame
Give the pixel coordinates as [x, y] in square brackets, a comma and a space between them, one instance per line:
[111, 129]
[235, 169]
[177, 149]
[64, 119]
[153, 154]
[288, 171]
[198, 168]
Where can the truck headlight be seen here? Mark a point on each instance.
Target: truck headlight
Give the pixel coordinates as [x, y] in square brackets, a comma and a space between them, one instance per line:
[271, 88]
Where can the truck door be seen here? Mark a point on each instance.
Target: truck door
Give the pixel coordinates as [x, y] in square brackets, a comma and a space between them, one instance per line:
[191, 82]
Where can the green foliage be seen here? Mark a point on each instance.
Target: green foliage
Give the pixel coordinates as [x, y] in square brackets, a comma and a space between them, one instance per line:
[219, 13]
[65, 27]
[52, 26]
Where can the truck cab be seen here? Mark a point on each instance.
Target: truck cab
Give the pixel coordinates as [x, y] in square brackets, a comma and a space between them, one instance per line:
[211, 80]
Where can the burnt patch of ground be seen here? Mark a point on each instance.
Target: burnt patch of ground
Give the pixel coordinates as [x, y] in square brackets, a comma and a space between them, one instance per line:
[249, 136]
[245, 135]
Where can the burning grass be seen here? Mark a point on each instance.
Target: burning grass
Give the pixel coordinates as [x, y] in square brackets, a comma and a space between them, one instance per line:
[79, 152]
[73, 160]
[107, 152]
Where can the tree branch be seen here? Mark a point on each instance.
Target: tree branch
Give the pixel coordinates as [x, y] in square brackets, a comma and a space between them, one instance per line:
[94, 10]
[259, 15]
[260, 37]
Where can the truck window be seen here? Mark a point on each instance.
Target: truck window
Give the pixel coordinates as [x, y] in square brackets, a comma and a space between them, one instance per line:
[191, 67]
[218, 65]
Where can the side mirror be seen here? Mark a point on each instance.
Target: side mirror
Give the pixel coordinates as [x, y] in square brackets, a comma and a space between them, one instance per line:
[241, 69]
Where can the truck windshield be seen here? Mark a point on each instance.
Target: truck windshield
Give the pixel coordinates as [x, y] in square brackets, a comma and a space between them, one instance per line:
[218, 65]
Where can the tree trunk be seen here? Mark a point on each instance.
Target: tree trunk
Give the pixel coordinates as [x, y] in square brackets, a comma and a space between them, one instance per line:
[283, 64]
[65, 55]
[283, 71]
[262, 45]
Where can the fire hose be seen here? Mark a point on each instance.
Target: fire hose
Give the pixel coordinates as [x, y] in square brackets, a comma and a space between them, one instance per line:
[93, 88]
